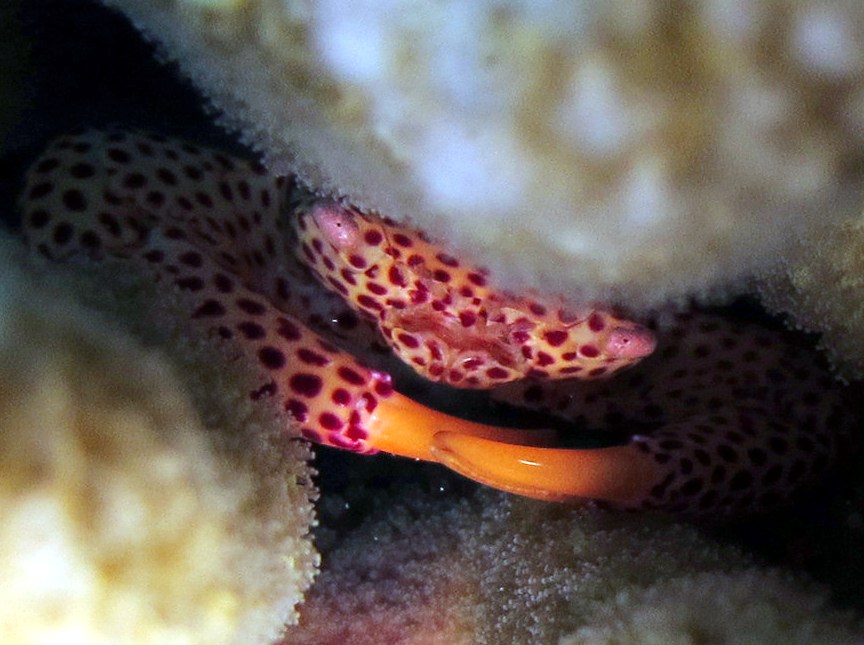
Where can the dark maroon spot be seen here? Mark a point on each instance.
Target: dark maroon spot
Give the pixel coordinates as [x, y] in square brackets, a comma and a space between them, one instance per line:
[74, 200]
[192, 283]
[415, 260]
[118, 155]
[497, 373]
[350, 376]
[477, 279]
[544, 359]
[184, 203]
[210, 308]
[90, 240]
[312, 358]
[338, 286]
[154, 256]
[596, 322]
[271, 357]
[166, 176]
[408, 340]
[297, 409]
[570, 369]
[110, 223]
[521, 336]
[384, 388]
[175, 233]
[288, 330]
[82, 170]
[556, 337]
[537, 309]
[192, 172]
[251, 330]
[62, 233]
[155, 198]
[589, 351]
[396, 278]
[597, 371]
[341, 396]
[47, 165]
[467, 318]
[223, 283]
[402, 240]
[243, 223]
[39, 218]
[134, 180]
[377, 289]
[727, 453]
[369, 302]
[251, 307]
[191, 258]
[373, 237]
[204, 199]
[447, 260]
[357, 261]
[330, 421]
[441, 275]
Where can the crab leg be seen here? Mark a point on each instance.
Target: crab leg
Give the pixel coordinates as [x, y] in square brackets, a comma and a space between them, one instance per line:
[123, 195]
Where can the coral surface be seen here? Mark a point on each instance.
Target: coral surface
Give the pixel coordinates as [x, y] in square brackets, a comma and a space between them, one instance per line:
[820, 287]
[497, 569]
[645, 149]
[142, 502]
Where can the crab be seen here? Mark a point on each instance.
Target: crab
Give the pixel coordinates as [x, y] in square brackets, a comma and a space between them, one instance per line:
[720, 417]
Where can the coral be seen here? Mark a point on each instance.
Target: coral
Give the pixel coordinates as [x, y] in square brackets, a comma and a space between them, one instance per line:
[820, 287]
[496, 569]
[640, 149]
[141, 501]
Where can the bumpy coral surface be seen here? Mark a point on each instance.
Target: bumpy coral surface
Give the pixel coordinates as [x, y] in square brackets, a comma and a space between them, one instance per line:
[821, 288]
[496, 569]
[648, 148]
[129, 515]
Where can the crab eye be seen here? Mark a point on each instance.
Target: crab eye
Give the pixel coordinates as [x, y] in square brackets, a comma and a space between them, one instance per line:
[338, 225]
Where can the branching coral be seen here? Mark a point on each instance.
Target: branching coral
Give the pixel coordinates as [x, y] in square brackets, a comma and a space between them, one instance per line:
[647, 148]
[129, 515]
[503, 570]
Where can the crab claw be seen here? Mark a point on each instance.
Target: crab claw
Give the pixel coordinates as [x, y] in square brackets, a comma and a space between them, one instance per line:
[404, 427]
[620, 474]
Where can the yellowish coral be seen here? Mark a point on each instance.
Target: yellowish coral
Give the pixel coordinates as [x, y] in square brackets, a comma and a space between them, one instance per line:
[641, 148]
[498, 569]
[130, 515]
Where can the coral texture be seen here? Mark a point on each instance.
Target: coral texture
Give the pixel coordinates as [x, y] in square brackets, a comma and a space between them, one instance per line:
[820, 287]
[129, 514]
[497, 569]
[645, 149]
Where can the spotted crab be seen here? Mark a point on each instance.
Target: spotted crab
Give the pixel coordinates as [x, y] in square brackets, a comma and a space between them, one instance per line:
[720, 417]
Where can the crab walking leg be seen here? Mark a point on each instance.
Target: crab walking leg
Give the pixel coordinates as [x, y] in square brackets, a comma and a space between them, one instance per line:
[733, 418]
[118, 184]
[334, 399]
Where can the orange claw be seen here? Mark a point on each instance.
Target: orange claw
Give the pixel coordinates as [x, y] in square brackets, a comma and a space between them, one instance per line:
[402, 426]
[621, 474]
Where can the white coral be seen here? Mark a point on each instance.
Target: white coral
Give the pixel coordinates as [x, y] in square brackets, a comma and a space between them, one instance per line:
[639, 147]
